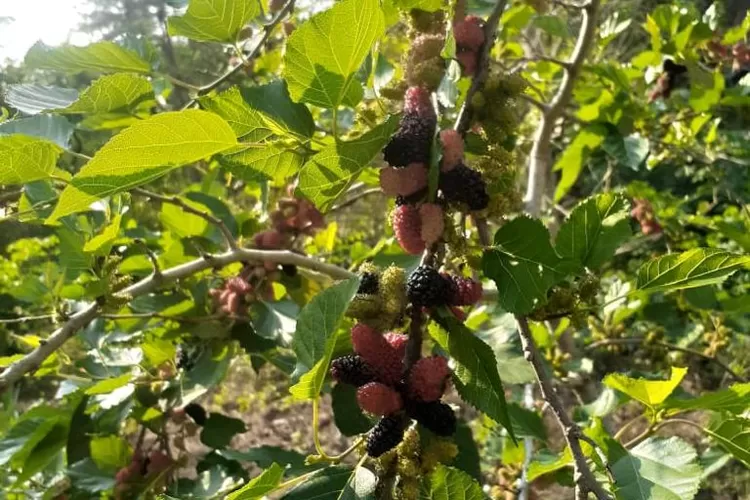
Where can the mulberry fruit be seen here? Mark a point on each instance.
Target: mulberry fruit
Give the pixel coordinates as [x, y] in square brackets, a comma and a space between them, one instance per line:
[378, 353]
[469, 33]
[436, 417]
[197, 413]
[433, 225]
[368, 284]
[468, 62]
[385, 435]
[397, 341]
[413, 141]
[403, 181]
[379, 399]
[453, 149]
[466, 291]
[352, 370]
[407, 227]
[428, 73]
[269, 240]
[464, 185]
[427, 288]
[428, 378]
[426, 47]
[417, 101]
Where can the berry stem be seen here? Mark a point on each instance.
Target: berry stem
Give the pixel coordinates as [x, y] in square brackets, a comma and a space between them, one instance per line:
[414, 346]
[316, 432]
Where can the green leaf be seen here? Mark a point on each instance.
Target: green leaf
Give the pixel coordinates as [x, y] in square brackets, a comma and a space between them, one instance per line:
[102, 57]
[44, 452]
[219, 430]
[691, 269]
[553, 25]
[265, 483]
[273, 162]
[732, 434]
[737, 33]
[572, 160]
[468, 459]
[109, 385]
[55, 129]
[447, 483]
[214, 20]
[22, 437]
[734, 399]
[630, 151]
[705, 92]
[110, 453]
[183, 225]
[347, 414]
[330, 172]
[523, 264]
[265, 456]
[475, 377]
[88, 477]
[328, 484]
[112, 93]
[324, 54]
[26, 159]
[102, 243]
[145, 151]
[658, 469]
[594, 230]
[255, 113]
[649, 392]
[33, 99]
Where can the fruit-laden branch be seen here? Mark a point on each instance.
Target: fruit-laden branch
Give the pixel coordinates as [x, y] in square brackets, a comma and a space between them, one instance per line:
[79, 320]
[540, 157]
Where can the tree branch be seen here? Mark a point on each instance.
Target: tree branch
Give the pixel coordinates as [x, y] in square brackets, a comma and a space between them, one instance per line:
[583, 477]
[540, 157]
[47, 347]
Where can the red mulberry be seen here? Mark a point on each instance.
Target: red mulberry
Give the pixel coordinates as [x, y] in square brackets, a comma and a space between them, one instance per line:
[453, 149]
[469, 33]
[403, 181]
[428, 378]
[417, 101]
[433, 225]
[397, 341]
[378, 399]
[468, 62]
[466, 291]
[407, 228]
[378, 353]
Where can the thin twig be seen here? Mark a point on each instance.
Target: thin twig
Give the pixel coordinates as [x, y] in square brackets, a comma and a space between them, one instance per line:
[671, 347]
[26, 319]
[175, 200]
[543, 107]
[91, 311]
[652, 429]
[169, 317]
[354, 199]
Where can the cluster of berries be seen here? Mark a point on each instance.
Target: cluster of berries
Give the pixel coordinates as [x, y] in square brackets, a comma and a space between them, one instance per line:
[386, 391]
[643, 212]
[140, 472]
[427, 287]
[673, 75]
[291, 219]
[738, 54]
[469, 35]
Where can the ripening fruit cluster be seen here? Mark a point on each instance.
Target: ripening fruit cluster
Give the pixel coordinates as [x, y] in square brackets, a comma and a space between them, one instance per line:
[140, 472]
[291, 219]
[469, 35]
[643, 212]
[671, 77]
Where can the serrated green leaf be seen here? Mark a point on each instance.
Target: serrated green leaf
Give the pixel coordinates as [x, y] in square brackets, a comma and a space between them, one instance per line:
[324, 54]
[44, 452]
[110, 453]
[523, 265]
[218, 430]
[328, 174]
[33, 99]
[101, 243]
[144, 152]
[274, 162]
[694, 268]
[109, 385]
[88, 477]
[447, 483]
[475, 377]
[55, 129]
[553, 25]
[572, 160]
[103, 57]
[112, 93]
[214, 20]
[259, 486]
[26, 159]
[22, 437]
[734, 399]
[657, 469]
[649, 392]
[732, 434]
[328, 484]
[594, 230]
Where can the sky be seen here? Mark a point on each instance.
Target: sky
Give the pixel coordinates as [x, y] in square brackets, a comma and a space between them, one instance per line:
[52, 21]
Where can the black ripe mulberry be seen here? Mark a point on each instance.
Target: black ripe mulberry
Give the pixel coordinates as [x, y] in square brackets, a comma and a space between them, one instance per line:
[197, 413]
[436, 417]
[385, 436]
[368, 284]
[464, 185]
[352, 370]
[412, 142]
[289, 269]
[428, 288]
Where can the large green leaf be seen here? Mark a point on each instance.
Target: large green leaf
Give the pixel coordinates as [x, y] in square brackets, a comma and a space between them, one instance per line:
[218, 430]
[22, 437]
[523, 264]
[594, 230]
[214, 20]
[572, 160]
[649, 392]
[732, 434]
[265, 456]
[630, 151]
[447, 483]
[327, 175]
[476, 377]
[328, 484]
[324, 53]
[694, 268]
[274, 162]
[54, 128]
[112, 93]
[658, 469]
[255, 113]
[259, 486]
[110, 452]
[88, 477]
[103, 57]
[734, 399]
[31, 99]
[25, 159]
[144, 152]
[315, 337]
